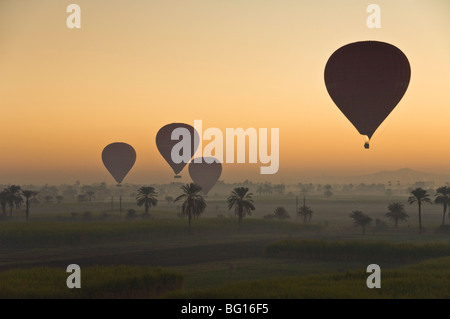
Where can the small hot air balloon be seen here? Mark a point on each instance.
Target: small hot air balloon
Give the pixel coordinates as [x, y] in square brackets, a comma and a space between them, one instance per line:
[165, 145]
[205, 174]
[118, 159]
[366, 80]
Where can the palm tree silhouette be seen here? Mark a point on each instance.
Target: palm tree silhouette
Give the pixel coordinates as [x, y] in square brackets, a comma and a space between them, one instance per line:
[90, 194]
[242, 201]
[397, 213]
[28, 195]
[305, 211]
[260, 190]
[146, 197]
[420, 196]
[13, 197]
[3, 201]
[442, 197]
[194, 204]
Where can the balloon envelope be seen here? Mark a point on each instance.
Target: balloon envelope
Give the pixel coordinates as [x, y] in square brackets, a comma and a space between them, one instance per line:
[205, 174]
[366, 80]
[118, 159]
[165, 144]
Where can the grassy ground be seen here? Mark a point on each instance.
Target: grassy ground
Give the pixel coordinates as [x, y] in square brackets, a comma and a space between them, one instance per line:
[65, 233]
[216, 252]
[427, 280]
[213, 274]
[96, 282]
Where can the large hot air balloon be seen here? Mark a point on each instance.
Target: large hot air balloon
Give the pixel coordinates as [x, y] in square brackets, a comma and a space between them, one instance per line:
[118, 159]
[366, 80]
[205, 174]
[165, 144]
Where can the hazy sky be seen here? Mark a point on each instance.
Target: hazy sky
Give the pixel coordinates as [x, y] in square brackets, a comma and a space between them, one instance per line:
[135, 66]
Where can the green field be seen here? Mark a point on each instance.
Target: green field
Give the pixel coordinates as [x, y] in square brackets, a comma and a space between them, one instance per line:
[265, 258]
[97, 282]
[427, 280]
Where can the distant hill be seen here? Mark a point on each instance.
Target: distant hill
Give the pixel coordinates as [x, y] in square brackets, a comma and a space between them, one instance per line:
[404, 175]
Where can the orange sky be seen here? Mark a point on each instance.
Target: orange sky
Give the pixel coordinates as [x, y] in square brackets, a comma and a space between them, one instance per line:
[135, 66]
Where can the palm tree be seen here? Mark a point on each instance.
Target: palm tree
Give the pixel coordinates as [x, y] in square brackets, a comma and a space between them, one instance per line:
[147, 197]
[90, 194]
[361, 219]
[3, 201]
[194, 204]
[328, 191]
[242, 201]
[267, 188]
[420, 196]
[397, 213]
[260, 190]
[442, 197]
[13, 197]
[28, 195]
[305, 211]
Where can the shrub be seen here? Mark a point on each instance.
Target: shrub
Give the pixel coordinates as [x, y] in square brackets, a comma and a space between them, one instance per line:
[87, 215]
[281, 213]
[131, 214]
[380, 225]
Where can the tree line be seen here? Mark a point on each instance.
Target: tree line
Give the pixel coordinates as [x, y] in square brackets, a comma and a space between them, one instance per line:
[14, 196]
[397, 211]
[193, 203]
[241, 201]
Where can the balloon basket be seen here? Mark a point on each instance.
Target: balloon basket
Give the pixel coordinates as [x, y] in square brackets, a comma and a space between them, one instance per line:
[366, 146]
[119, 185]
[177, 176]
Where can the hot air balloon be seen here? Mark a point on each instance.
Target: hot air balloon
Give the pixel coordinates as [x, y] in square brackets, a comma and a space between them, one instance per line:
[205, 174]
[165, 144]
[118, 159]
[366, 80]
